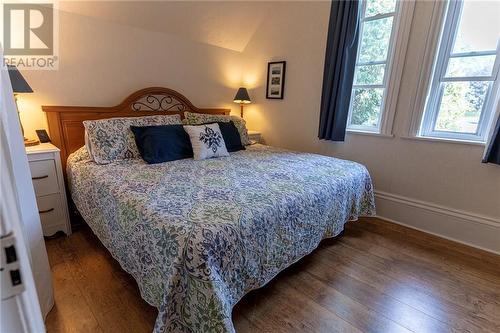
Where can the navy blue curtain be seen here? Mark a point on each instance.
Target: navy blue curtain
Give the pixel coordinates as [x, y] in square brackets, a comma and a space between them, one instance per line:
[493, 151]
[341, 50]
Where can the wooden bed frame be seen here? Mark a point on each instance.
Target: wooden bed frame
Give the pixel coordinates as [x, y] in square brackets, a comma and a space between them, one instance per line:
[66, 122]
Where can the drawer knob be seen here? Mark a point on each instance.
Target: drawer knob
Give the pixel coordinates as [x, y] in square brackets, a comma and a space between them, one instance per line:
[45, 211]
[40, 177]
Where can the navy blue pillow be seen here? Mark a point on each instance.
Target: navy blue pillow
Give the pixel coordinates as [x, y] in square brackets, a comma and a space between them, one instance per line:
[231, 136]
[165, 143]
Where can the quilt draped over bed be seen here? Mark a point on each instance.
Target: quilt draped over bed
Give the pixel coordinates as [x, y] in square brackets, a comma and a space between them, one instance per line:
[198, 235]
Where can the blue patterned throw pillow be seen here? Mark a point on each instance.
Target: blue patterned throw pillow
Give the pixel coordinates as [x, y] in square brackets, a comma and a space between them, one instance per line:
[207, 141]
[111, 139]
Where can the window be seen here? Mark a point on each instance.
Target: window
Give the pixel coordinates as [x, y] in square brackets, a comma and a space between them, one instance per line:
[378, 37]
[464, 85]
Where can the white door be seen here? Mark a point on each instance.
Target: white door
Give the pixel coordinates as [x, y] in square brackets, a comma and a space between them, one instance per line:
[26, 288]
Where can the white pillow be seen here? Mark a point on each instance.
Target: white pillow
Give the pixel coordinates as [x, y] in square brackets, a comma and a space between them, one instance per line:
[207, 141]
[192, 118]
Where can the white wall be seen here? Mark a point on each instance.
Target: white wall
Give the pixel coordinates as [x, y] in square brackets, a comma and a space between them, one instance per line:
[104, 60]
[442, 179]
[108, 52]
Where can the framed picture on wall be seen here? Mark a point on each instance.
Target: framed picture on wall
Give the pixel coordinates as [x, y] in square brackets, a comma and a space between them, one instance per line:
[275, 79]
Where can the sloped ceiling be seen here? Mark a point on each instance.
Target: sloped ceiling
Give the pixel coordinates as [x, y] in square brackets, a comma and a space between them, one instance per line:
[226, 24]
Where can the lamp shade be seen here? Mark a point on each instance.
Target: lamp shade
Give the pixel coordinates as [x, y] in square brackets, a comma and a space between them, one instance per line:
[19, 84]
[242, 96]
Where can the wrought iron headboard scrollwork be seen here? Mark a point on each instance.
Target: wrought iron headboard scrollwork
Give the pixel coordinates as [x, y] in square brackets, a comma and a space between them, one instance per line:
[66, 122]
[159, 103]
[158, 99]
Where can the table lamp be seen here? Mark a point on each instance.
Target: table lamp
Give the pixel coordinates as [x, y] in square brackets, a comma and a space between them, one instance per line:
[20, 86]
[242, 98]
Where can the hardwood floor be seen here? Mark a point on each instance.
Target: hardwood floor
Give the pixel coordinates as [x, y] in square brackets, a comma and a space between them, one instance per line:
[377, 277]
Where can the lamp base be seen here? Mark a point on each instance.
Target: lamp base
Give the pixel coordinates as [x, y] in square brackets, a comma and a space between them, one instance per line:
[31, 142]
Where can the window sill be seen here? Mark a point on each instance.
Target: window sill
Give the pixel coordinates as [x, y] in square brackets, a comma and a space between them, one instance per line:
[433, 139]
[357, 132]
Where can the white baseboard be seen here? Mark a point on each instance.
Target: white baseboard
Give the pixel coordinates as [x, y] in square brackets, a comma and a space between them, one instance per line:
[472, 229]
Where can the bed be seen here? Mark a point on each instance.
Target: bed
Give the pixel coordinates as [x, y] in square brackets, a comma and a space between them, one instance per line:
[198, 235]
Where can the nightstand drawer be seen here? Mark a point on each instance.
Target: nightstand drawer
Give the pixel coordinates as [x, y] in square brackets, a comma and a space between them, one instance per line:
[44, 177]
[48, 182]
[51, 213]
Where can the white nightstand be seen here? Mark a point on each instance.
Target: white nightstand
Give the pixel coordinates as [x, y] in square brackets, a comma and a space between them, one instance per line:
[255, 136]
[48, 182]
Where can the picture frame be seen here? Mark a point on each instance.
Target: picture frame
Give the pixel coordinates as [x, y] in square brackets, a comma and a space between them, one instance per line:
[42, 135]
[275, 87]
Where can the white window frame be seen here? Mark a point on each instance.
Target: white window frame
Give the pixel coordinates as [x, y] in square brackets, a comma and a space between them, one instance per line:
[398, 43]
[434, 93]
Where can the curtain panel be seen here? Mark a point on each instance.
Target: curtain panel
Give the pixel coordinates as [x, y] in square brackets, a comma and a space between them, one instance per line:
[340, 61]
[492, 154]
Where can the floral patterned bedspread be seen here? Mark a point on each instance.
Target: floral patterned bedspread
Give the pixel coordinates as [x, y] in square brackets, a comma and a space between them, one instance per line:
[198, 235]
